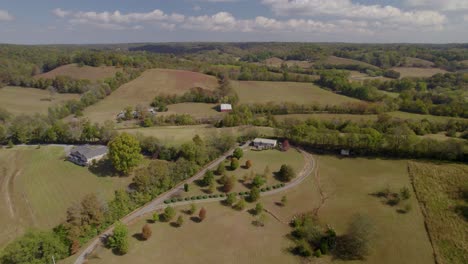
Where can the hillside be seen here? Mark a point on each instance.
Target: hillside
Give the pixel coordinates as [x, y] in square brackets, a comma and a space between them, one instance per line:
[417, 72]
[81, 72]
[142, 91]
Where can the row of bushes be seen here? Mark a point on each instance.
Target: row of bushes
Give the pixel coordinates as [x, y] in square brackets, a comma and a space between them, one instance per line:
[204, 197]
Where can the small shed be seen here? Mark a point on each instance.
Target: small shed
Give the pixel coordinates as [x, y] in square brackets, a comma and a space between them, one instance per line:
[84, 155]
[225, 108]
[345, 152]
[264, 143]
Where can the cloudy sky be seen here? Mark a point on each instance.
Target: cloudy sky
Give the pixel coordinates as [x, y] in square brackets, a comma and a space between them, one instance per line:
[111, 21]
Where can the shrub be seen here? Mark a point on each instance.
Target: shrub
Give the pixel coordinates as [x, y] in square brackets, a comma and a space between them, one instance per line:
[169, 213]
[180, 199]
[318, 253]
[284, 200]
[216, 195]
[202, 214]
[173, 200]
[229, 184]
[231, 199]
[192, 209]
[238, 153]
[258, 181]
[248, 164]
[187, 199]
[146, 232]
[205, 196]
[258, 209]
[180, 221]
[167, 201]
[155, 217]
[303, 248]
[234, 164]
[186, 187]
[222, 195]
[268, 188]
[254, 194]
[405, 193]
[286, 173]
[193, 198]
[221, 169]
[240, 205]
[262, 189]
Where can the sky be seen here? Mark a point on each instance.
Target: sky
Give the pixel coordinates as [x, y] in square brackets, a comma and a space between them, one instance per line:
[131, 21]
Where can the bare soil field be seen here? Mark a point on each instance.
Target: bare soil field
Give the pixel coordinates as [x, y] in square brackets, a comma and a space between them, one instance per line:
[251, 92]
[417, 72]
[228, 236]
[81, 72]
[142, 91]
[38, 185]
[20, 100]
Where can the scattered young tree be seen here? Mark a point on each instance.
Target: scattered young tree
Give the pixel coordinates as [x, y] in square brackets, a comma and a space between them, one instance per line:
[258, 209]
[155, 217]
[248, 164]
[212, 187]
[192, 209]
[221, 169]
[202, 214]
[146, 232]
[258, 181]
[229, 184]
[267, 172]
[238, 153]
[284, 200]
[186, 187]
[254, 194]
[405, 193]
[169, 213]
[124, 152]
[119, 239]
[207, 178]
[286, 145]
[240, 205]
[286, 173]
[180, 221]
[230, 199]
[234, 164]
[10, 144]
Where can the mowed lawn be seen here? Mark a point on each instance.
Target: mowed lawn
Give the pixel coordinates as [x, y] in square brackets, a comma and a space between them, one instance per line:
[443, 193]
[177, 135]
[20, 100]
[251, 92]
[417, 72]
[81, 72]
[42, 185]
[228, 236]
[145, 88]
[197, 110]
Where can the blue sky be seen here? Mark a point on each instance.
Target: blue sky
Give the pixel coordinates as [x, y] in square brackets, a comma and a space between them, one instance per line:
[113, 21]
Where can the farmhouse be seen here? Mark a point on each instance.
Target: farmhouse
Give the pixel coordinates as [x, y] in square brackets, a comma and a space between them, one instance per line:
[84, 155]
[225, 108]
[264, 143]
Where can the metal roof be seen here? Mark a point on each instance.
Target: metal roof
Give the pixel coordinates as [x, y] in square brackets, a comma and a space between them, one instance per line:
[226, 107]
[89, 151]
[265, 141]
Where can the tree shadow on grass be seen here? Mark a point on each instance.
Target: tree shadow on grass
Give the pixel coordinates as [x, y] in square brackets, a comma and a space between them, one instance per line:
[104, 168]
[195, 219]
[139, 237]
[174, 224]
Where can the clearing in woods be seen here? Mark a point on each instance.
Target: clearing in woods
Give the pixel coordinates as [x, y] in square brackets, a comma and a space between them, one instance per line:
[417, 72]
[251, 92]
[177, 135]
[81, 72]
[38, 185]
[401, 238]
[145, 88]
[442, 190]
[20, 100]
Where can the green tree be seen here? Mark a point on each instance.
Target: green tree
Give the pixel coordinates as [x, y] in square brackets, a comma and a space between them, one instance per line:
[192, 209]
[34, 247]
[284, 200]
[207, 178]
[254, 194]
[180, 221]
[286, 173]
[258, 208]
[186, 187]
[230, 199]
[355, 243]
[221, 169]
[124, 152]
[169, 213]
[238, 153]
[234, 164]
[240, 205]
[258, 181]
[229, 184]
[155, 217]
[119, 239]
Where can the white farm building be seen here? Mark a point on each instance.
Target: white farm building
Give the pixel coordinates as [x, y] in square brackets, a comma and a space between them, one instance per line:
[265, 143]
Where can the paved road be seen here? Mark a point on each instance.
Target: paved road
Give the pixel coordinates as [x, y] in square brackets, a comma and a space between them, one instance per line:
[155, 204]
[158, 203]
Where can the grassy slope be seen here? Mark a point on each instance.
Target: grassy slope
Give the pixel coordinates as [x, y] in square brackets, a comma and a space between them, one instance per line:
[417, 72]
[197, 110]
[438, 188]
[46, 185]
[177, 135]
[227, 236]
[143, 90]
[278, 92]
[19, 100]
[84, 72]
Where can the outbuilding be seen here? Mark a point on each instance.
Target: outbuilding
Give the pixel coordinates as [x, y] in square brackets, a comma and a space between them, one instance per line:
[264, 143]
[225, 108]
[84, 155]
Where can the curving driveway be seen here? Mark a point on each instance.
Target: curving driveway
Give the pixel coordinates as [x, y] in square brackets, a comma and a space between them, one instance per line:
[158, 203]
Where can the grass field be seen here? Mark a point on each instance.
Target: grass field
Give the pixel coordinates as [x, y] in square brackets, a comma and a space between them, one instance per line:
[416, 62]
[197, 110]
[417, 72]
[441, 194]
[85, 72]
[359, 76]
[333, 60]
[279, 92]
[20, 100]
[143, 90]
[177, 135]
[328, 117]
[277, 62]
[38, 185]
[260, 160]
[228, 236]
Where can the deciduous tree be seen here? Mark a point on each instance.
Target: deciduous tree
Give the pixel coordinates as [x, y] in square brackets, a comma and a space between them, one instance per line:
[146, 232]
[202, 214]
[124, 152]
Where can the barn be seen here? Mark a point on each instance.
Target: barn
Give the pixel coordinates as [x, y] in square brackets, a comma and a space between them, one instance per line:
[225, 108]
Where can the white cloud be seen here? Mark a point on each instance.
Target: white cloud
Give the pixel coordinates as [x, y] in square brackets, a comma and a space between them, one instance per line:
[348, 9]
[60, 12]
[5, 16]
[445, 5]
[197, 8]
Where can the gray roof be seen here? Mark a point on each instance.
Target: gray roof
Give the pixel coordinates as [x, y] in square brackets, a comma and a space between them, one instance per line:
[265, 141]
[90, 151]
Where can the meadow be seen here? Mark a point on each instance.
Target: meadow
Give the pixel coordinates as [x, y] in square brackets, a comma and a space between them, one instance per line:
[417, 72]
[442, 191]
[251, 92]
[401, 238]
[197, 110]
[277, 62]
[81, 72]
[38, 185]
[145, 88]
[20, 100]
[177, 135]
[333, 60]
